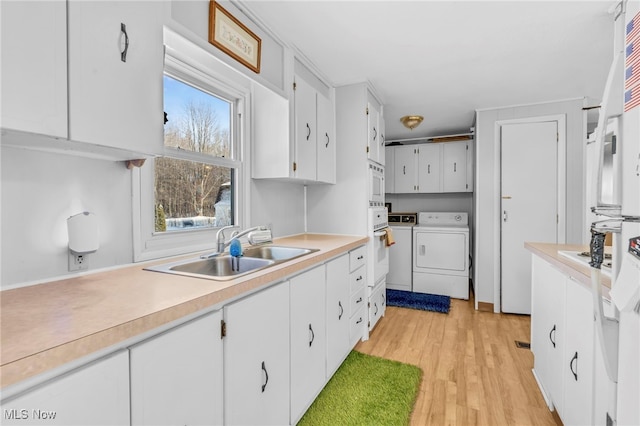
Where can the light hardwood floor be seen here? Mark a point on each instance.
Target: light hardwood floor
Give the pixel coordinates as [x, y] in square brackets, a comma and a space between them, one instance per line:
[473, 372]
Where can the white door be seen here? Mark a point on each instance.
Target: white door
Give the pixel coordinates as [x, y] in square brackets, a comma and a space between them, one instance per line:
[405, 169]
[529, 204]
[429, 160]
[256, 358]
[454, 166]
[305, 119]
[440, 250]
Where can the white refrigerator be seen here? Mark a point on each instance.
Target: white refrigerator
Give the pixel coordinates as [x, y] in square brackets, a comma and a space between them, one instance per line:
[619, 214]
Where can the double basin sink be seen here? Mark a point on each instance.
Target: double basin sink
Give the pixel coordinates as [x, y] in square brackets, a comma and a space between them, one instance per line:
[226, 267]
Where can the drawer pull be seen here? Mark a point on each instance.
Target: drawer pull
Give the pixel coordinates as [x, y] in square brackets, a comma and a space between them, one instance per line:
[360, 257]
[359, 300]
[359, 320]
[266, 377]
[375, 305]
[552, 338]
[312, 335]
[575, 372]
[359, 278]
[341, 310]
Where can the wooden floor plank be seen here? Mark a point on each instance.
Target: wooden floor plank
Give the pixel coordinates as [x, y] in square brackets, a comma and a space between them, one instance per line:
[474, 374]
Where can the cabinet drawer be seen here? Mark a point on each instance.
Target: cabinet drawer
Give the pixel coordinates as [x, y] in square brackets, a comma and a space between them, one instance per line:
[357, 258]
[357, 279]
[357, 301]
[356, 325]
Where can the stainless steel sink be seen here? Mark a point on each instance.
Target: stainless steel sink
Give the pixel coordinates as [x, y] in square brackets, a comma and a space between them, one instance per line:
[217, 268]
[225, 267]
[277, 253]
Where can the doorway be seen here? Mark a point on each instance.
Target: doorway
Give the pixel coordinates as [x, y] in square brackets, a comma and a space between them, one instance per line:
[529, 204]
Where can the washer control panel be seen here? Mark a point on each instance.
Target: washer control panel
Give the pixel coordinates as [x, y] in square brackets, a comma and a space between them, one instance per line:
[443, 218]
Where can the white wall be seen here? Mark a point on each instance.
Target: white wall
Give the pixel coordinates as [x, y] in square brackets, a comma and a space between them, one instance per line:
[40, 191]
[487, 188]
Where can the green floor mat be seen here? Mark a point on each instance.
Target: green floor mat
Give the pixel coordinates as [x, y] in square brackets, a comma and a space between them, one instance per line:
[366, 390]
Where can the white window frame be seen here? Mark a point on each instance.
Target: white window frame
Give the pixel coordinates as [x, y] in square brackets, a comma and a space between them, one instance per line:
[188, 63]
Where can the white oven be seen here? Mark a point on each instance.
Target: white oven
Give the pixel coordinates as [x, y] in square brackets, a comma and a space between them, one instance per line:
[376, 185]
[378, 249]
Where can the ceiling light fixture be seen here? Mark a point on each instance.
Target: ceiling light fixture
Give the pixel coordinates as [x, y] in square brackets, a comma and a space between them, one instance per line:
[411, 121]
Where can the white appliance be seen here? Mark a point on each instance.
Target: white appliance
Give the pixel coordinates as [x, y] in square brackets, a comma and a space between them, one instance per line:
[619, 214]
[378, 251]
[441, 254]
[377, 266]
[376, 185]
[400, 276]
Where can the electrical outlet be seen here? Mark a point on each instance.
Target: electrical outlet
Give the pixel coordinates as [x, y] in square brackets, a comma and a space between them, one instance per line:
[77, 262]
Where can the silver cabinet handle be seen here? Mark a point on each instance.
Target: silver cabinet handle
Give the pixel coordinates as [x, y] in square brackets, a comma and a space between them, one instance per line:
[327, 144]
[123, 54]
[266, 377]
[312, 335]
[308, 131]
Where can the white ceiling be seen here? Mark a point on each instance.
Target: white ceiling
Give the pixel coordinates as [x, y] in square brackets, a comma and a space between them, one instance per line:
[445, 59]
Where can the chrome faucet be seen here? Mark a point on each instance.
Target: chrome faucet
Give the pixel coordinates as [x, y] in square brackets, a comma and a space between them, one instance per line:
[222, 244]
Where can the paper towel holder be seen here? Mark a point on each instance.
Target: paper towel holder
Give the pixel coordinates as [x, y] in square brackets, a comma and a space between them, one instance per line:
[83, 233]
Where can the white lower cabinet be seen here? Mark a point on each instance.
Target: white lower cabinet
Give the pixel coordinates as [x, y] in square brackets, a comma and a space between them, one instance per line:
[562, 341]
[578, 359]
[308, 339]
[338, 300]
[95, 394]
[377, 304]
[256, 358]
[176, 377]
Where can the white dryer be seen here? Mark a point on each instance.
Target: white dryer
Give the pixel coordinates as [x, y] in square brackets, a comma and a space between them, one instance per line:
[441, 254]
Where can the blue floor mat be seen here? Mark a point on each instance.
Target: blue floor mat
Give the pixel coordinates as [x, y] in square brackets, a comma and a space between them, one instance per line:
[421, 301]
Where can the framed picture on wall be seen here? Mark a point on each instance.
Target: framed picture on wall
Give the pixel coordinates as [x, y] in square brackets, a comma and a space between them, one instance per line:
[232, 37]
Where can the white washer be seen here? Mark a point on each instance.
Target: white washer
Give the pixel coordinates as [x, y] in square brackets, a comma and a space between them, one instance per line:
[441, 254]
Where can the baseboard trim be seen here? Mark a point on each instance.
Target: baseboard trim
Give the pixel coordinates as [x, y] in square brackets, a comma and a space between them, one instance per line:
[485, 307]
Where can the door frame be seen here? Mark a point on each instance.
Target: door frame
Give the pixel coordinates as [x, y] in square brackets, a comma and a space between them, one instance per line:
[561, 179]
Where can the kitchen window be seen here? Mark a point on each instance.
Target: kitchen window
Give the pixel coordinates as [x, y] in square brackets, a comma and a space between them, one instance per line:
[186, 195]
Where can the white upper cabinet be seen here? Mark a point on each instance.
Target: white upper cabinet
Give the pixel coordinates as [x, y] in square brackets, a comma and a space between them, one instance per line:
[429, 176]
[454, 167]
[432, 167]
[374, 135]
[326, 140]
[306, 130]
[115, 74]
[304, 152]
[405, 168]
[34, 66]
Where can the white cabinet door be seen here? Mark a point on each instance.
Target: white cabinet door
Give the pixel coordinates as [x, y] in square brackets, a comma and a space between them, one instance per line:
[256, 358]
[429, 178]
[113, 102]
[578, 360]
[454, 166]
[381, 143]
[400, 268]
[389, 170]
[308, 339]
[326, 148]
[337, 313]
[176, 377]
[548, 334]
[373, 131]
[97, 394]
[34, 66]
[305, 130]
[405, 169]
